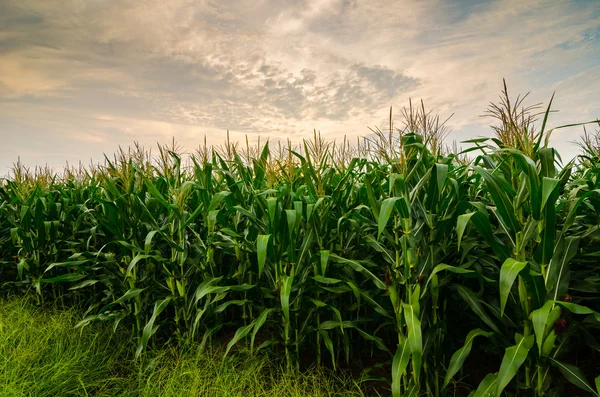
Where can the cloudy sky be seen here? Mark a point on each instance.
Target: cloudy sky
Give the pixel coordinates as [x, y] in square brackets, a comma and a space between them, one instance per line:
[79, 78]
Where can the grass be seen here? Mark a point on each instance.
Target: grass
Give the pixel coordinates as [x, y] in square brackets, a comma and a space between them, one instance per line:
[42, 355]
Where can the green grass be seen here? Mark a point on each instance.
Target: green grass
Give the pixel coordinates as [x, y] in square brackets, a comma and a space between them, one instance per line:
[42, 355]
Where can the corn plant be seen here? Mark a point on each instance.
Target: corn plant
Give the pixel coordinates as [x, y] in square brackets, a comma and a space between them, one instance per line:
[519, 223]
[398, 250]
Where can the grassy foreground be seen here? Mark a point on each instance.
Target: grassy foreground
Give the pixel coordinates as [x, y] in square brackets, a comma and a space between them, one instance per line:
[42, 355]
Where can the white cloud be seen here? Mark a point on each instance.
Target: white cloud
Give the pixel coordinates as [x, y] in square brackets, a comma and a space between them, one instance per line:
[115, 72]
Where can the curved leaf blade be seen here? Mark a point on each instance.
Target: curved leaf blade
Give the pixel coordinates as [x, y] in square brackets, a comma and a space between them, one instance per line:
[573, 375]
[508, 273]
[514, 357]
[459, 357]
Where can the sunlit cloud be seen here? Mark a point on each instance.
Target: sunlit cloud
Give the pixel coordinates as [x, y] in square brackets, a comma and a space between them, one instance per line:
[86, 77]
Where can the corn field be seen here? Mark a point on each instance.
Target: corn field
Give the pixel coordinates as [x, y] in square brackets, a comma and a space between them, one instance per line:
[396, 250]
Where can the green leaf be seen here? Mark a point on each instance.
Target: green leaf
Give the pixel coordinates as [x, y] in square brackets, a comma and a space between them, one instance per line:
[378, 341]
[328, 345]
[284, 295]
[237, 302]
[502, 198]
[357, 266]
[579, 309]
[473, 302]
[84, 284]
[134, 261]
[548, 344]
[415, 339]
[129, 246]
[371, 197]
[149, 328]
[132, 293]
[546, 247]
[437, 180]
[376, 306]
[157, 194]
[193, 216]
[329, 324]
[442, 267]
[324, 255]
[403, 208]
[412, 390]
[574, 375]
[539, 319]
[245, 212]
[148, 241]
[260, 320]
[64, 278]
[67, 264]
[534, 283]
[461, 224]
[549, 186]
[217, 199]
[484, 227]
[239, 335]
[530, 173]
[441, 173]
[514, 357]
[326, 280]
[558, 268]
[384, 214]
[459, 357]
[272, 208]
[508, 273]
[292, 220]
[207, 287]
[262, 243]
[399, 365]
[543, 130]
[487, 387]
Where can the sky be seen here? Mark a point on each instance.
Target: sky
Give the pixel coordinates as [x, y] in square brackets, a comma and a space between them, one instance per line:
[79, 78]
